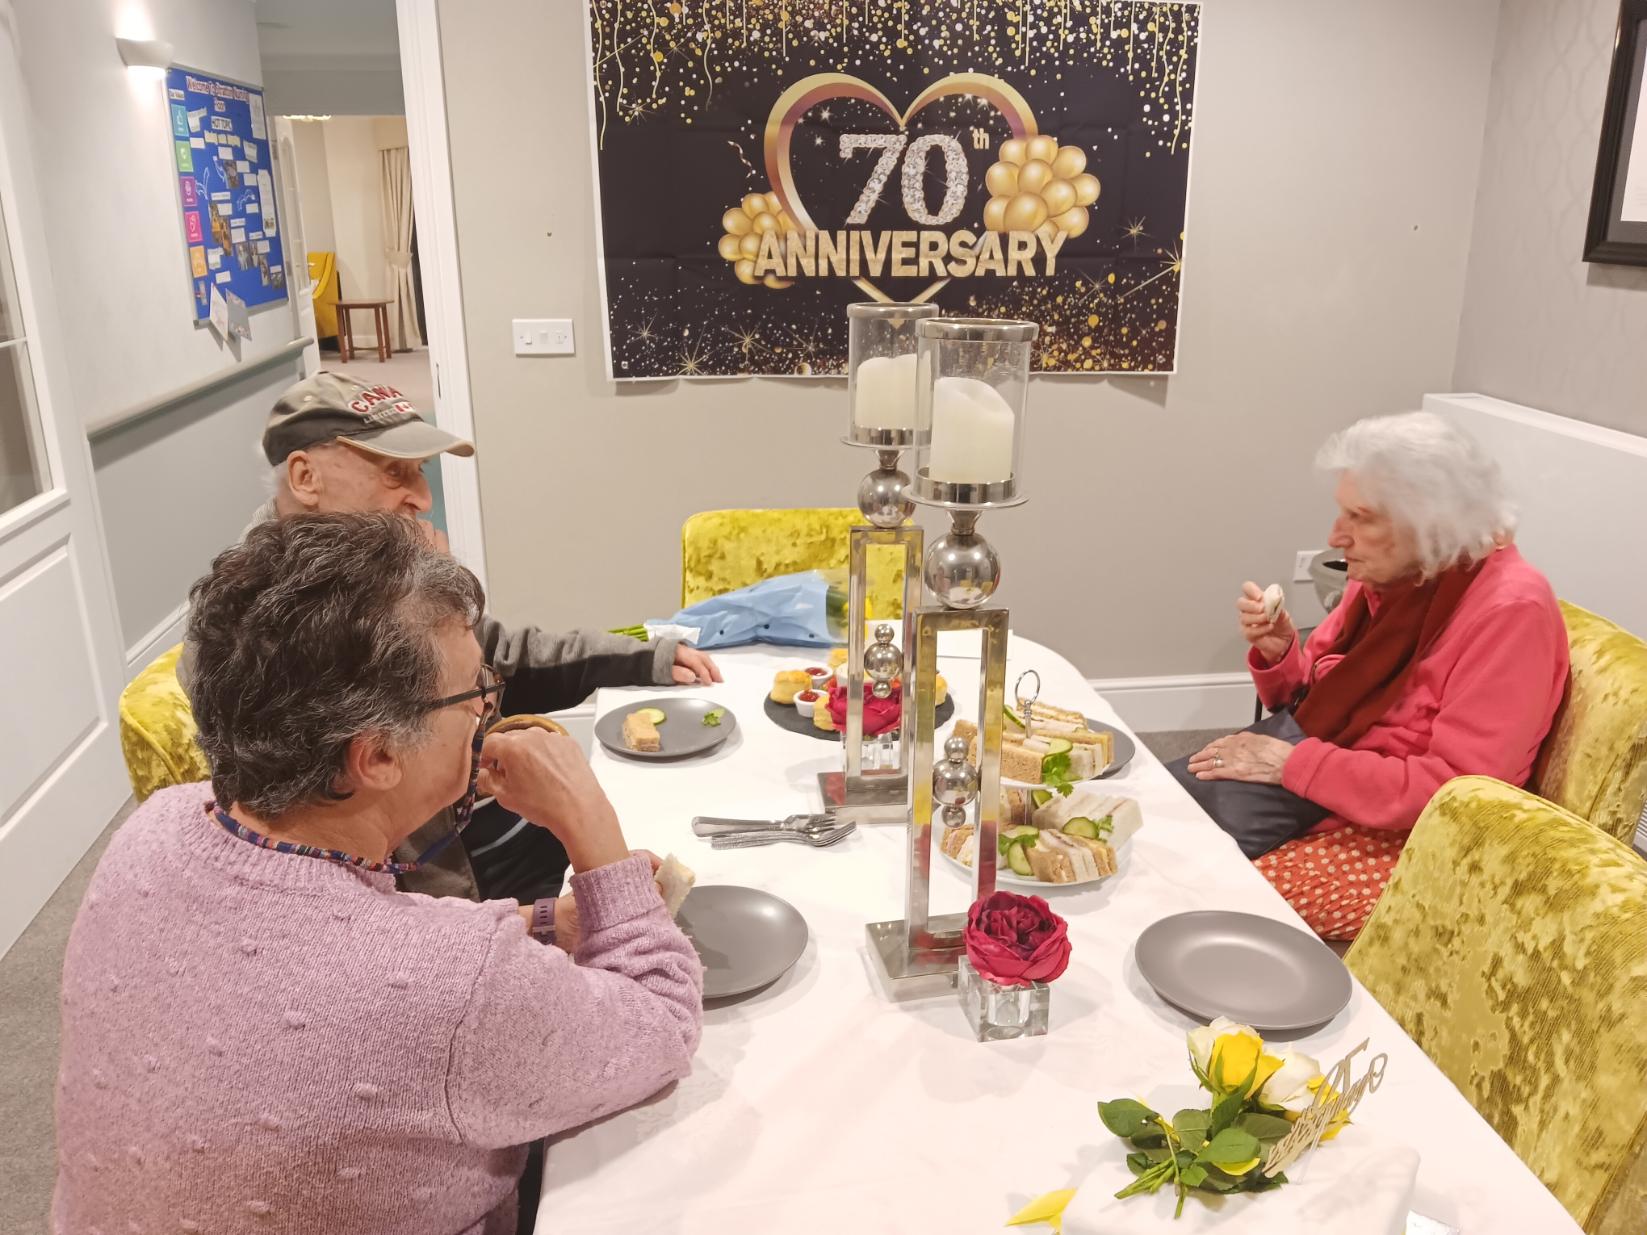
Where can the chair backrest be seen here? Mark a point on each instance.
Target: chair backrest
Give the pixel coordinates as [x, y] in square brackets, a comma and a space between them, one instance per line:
[157, 729]
[1511, 944]
[723, 550]
[1594, 763]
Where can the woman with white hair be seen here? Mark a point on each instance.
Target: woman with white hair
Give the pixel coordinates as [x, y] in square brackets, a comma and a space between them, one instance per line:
[1447, 657]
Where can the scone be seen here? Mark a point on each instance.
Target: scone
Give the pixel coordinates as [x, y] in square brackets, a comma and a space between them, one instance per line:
[788, 684]
[821, 717]
[837, 657]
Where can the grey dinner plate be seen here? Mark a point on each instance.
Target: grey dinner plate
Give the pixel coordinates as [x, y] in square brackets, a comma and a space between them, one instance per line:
[1255, 970]
[746, 938]
[1124, 748]
[680, 736]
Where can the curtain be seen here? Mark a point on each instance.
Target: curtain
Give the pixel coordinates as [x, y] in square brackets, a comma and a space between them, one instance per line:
[397, 248]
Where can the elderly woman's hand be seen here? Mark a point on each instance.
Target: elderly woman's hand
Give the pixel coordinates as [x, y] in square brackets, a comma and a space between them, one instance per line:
[1242, 756]
[1271, 638]
[544, 778]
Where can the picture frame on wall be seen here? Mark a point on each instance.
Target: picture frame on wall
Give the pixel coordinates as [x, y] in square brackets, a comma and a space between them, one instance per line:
[1617, 233]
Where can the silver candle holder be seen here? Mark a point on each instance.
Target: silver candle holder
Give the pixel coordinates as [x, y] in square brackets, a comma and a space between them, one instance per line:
[974, 377]
[882, 400]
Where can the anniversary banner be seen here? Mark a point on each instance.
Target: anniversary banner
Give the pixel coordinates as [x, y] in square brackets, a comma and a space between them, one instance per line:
[764, 163]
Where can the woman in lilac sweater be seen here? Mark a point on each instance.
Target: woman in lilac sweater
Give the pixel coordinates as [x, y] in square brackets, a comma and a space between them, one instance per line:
[259, 1032]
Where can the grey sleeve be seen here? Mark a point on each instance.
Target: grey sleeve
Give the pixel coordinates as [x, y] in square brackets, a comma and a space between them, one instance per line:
[551, 670]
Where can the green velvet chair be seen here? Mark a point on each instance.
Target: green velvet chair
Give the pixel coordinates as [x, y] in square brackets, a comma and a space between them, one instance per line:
[723, 550]
[1594, 763]
[157, 729]
[1511, 944]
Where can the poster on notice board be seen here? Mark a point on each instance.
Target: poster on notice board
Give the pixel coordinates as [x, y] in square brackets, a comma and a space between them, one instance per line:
[221, 151]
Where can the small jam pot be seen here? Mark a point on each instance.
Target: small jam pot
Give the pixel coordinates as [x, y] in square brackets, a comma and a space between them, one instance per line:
[820, 677]
[806, 701]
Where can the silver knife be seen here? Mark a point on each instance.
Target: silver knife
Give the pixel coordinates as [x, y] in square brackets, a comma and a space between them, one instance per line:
[710, 825]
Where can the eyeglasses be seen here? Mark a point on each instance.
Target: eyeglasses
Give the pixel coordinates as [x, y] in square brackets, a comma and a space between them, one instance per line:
[489, 688]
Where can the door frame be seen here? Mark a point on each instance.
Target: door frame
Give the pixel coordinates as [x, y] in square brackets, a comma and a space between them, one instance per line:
[424, 87]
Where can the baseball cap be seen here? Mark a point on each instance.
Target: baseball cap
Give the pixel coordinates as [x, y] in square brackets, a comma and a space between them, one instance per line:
[376, 418]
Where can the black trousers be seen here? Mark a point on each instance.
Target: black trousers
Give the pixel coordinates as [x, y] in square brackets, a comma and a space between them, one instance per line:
[513, 859]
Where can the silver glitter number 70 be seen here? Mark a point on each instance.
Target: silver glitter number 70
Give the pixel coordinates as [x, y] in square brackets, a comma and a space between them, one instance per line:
[891, 145]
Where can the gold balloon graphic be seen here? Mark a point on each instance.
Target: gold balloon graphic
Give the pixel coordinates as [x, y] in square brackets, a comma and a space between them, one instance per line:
[743, 227]
[1025, 213]
[1036, 184]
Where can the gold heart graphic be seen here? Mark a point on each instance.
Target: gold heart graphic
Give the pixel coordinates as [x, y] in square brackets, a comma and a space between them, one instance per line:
[807, 93]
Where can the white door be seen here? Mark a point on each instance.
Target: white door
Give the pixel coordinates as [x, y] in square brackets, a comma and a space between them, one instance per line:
[297, 249]
[61, 774]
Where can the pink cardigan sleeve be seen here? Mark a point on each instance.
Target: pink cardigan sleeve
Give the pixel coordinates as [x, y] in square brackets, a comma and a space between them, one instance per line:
[547, 1043]
[1490, 714]
[1278, 683]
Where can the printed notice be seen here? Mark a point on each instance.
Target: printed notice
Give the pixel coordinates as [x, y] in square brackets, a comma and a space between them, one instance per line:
[265, 194]
[1633, 209]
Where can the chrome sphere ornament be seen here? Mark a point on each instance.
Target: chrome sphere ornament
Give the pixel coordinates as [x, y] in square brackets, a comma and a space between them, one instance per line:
[882, 662]
[881, 496]
[961, 566]
[954, 782]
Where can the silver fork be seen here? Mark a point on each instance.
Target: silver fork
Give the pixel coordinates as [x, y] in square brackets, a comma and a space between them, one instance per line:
[750, 840]
[711, 825]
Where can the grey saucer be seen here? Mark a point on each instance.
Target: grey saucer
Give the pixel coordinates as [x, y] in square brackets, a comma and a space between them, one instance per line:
[746, 938]
[682, 735]
[1258, 971]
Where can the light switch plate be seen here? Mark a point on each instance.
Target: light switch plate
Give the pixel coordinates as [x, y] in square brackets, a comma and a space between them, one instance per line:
[543, 336]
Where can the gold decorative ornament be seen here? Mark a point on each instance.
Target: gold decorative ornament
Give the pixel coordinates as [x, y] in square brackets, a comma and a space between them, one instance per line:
[743, 226]
[1037, 184]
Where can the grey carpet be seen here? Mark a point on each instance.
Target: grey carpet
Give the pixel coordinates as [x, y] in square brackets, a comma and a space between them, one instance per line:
[29, 977]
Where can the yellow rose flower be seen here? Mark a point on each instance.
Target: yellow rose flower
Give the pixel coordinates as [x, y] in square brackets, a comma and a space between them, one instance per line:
[1291, 1088]
[1338, 1120]
[1227, 1053]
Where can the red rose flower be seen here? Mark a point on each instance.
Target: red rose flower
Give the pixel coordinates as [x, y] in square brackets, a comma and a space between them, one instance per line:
[1016, 940]
[880, 715]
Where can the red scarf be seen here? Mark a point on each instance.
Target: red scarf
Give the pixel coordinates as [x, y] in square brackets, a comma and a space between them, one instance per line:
[1380, 652]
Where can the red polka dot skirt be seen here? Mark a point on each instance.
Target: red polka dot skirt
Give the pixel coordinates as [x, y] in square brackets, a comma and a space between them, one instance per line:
[1334, 880]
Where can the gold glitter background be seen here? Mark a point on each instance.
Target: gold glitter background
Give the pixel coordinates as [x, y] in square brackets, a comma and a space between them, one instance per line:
[703, 74]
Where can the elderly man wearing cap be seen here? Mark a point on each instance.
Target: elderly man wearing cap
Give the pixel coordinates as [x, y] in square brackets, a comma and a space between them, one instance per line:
[341, 446]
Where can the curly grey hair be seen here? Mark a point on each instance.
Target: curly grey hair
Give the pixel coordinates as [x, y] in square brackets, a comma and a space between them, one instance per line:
[1430, 476]
[313, 631]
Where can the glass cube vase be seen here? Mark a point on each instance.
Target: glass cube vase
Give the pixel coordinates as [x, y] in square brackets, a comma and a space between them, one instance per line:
[998, 1013]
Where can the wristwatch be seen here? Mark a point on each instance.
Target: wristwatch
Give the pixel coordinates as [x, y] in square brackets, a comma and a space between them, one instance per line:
[543, 919]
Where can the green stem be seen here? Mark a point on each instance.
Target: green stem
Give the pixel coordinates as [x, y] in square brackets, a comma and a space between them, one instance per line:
[1150, 1181]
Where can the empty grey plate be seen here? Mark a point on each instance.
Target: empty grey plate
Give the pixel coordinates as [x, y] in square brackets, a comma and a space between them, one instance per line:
[680, 736]
[746, 938]
[1254, 970]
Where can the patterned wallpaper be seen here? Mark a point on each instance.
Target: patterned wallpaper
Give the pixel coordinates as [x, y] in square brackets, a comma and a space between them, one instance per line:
[1540, 326]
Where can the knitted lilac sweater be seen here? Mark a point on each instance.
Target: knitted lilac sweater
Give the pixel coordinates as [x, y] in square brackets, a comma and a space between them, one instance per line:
[264, 1042]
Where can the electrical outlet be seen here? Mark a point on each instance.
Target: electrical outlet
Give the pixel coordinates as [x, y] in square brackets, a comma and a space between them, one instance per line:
[1301, 565]
[543, 336]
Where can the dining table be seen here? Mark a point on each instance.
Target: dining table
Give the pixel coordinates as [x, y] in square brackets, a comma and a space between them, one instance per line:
[824, 1103]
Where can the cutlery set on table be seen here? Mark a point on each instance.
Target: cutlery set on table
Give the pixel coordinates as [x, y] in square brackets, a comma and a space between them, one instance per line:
[818, 831]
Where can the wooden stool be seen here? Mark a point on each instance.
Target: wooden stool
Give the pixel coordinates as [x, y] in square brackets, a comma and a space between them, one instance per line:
[346, 336]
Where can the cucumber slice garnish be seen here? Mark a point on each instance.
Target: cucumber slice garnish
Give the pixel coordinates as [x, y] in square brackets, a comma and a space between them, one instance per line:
[1019, 834]
[1040, 797]
[1082, 827]
[656, 715]
[1018, 859]
[1058, 746]
[1012, 717]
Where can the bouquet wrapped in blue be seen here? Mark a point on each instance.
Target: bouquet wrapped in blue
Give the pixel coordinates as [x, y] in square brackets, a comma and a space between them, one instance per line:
[807, 609]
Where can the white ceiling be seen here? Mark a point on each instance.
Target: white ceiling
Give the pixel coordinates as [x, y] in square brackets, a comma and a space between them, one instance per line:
[318, 33]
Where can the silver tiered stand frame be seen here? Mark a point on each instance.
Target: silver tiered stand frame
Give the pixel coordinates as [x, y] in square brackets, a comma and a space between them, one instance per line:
[919, 951]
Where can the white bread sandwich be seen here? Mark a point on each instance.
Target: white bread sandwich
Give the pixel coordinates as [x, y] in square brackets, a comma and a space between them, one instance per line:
[1056, 858]
[1046, 758]
[674, 880]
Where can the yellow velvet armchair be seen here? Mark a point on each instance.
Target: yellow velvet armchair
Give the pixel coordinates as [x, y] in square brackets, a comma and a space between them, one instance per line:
[1594, 763]
[1511, 944]
[157, 730]
[723, 550]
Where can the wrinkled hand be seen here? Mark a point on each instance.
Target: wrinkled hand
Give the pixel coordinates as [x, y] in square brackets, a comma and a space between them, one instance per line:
[544, 778]
[1251, 757]
[1272, 639]
[694, 668]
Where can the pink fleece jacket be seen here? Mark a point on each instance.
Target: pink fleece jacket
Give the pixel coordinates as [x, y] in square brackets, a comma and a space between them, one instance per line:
[1479, 703]
[256, 1041]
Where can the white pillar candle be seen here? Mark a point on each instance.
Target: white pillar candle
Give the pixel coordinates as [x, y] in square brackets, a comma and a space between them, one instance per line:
[883, 393]
[971, 433]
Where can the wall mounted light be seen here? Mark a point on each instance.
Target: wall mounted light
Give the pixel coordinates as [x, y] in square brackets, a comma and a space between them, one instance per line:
[147, 54]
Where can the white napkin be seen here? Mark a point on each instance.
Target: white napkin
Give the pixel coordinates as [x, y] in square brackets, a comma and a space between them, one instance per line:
[673, 630]
[1356, 1184]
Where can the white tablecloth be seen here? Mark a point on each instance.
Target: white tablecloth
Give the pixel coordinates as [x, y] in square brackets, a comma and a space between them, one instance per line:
[819, 1105]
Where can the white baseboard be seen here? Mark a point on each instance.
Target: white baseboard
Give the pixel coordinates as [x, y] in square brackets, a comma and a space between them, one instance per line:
[1185, 701]
[167, 631]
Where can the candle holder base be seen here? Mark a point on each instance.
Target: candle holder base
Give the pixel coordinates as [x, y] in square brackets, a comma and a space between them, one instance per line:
[923, 964]
[998, 1013]
[873, 801]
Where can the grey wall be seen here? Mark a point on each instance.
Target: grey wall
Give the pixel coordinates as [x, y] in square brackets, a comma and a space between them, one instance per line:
[1334, 172]
[1540, 326]
[334, 86]
[175, 490]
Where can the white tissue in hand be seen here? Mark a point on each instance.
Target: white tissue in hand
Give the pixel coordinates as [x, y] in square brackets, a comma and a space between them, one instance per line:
[1274, 598]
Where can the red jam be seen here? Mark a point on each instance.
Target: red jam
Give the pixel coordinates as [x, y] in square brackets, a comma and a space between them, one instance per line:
[815, 673]
[808, 696]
